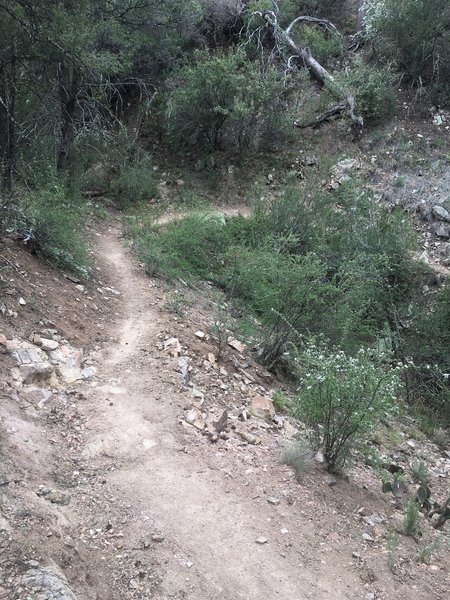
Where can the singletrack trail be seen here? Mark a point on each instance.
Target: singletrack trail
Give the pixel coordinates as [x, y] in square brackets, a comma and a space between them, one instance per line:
[209, 549]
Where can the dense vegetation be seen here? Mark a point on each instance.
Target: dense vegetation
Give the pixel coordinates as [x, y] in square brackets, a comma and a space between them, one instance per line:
[82, 82]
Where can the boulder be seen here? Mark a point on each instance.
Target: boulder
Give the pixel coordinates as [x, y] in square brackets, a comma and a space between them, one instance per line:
[262, 406]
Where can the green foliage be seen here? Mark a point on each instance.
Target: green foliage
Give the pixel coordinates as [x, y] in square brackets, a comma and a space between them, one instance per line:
[373, 88]
[298, 455]
[324, 46]
[341, 398]
[427, 343]
[51, 223]
[133, 183]
[393, 543]
[416, 34]
[222, 100]
[411, 518]
[420, 472]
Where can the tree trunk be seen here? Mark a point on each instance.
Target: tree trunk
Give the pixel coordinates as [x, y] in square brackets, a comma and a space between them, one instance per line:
[361, 15]
[10, 151]
[69, 87]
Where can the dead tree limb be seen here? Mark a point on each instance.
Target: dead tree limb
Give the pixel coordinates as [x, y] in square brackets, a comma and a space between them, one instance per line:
[316, 69]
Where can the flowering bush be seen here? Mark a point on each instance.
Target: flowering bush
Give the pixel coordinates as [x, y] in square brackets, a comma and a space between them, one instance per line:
[342, 397]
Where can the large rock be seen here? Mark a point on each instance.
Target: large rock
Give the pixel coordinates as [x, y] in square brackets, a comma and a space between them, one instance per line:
[34, 366]
[67, 361]
[440, 213]
[442, 231]
[262, 406]
[49, 583]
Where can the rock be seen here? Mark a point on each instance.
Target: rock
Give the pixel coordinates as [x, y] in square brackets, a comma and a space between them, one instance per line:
[222, 423]
[330, 480]
[174, 345]
[289, 431]
[133, 584]
[309, 161]
[262, 406]
[88, 372]
[189, 564]
[183, 364]
[48, 345]
[3, 340]
[273, 501]
[440, 213]
[442, 231]
[67, 361]
[261, 540]
[319, 457]
[367, 538]
[212, 358]
[57, 497]
[194, 417]
[356, 555]
[180, 182]
[237, 345]
[200, 334]
[248, 437]
[50, 581]
[157, 537]
[22, 302]
[369, 596]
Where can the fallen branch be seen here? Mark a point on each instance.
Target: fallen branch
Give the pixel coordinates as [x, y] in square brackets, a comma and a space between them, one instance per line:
[335, 110]
[316, 69]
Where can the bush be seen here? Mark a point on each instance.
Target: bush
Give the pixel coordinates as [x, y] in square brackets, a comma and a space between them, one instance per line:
[324, 46]
[341, 397]
[222, 101]
[373, 88]
[426, 342]
[133, 183]
[416, 34]
[54, 225]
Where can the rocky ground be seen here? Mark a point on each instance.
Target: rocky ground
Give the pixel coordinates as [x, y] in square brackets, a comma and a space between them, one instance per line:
[140, 457]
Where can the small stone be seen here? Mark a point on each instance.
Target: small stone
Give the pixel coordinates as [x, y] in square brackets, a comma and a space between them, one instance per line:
[237, 345]
[200, 334]
[189, 564]
[133, 584]
[261, 540]
[212, 358]
[48, 345]
[369, 596]
[180, 182]
[57, 497]
[22, 301]
[2, 340]
[367, 538]
[273, 501]
[248, 437]
[356, 555]
[157, 537]
[319, 457]
[330, 480]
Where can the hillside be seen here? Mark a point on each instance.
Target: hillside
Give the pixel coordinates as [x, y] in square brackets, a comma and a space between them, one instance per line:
[224, 300]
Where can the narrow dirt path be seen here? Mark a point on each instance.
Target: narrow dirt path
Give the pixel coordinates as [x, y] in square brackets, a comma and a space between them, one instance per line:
[209, 549]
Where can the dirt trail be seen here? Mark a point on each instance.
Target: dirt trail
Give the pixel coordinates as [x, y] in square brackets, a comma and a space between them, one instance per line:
[204, 522]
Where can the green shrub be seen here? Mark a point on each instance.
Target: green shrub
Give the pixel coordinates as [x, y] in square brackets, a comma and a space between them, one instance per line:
[324, 46]
[223, 101]
[55, 226]
[416, 34]
[133, 183]
[411, 517]
[341, 398]
[374, 91]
